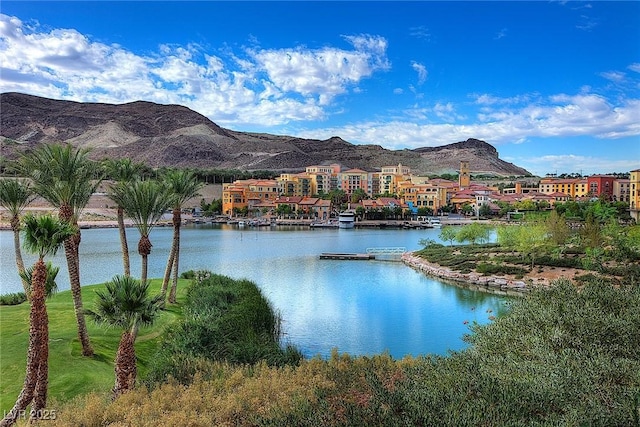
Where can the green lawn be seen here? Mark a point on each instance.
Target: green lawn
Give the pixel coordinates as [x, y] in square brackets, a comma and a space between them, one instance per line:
[71, 374]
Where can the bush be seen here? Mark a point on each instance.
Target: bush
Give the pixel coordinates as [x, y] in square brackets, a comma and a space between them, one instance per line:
[13, 299]
[225, 320]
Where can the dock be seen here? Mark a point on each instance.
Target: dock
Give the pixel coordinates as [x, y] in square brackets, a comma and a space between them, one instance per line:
[354, 257]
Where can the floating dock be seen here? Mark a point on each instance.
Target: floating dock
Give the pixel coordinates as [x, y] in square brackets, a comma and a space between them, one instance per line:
[354, 257]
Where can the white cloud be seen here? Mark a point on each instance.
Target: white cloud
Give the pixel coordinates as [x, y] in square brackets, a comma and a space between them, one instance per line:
[635, 67]
[421, 70]
[266, 87]
[324, 73]
[420, 32]
[560, 115]
[614, 76]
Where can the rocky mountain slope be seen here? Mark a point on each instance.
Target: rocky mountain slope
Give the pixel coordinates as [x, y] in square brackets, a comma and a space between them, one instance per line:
[173, 135]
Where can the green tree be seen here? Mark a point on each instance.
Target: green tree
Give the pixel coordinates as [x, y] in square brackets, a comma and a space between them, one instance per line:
[532, 240]
[42, 235]
[358, 195]
[557, 228]
[64, 177]
[51, 287]
[448, 233]
[122, 172]
[144, 202]
[182, 186]
[473, 233]
[125, 304]
[485, 210]
[15, 195]
[508, 236]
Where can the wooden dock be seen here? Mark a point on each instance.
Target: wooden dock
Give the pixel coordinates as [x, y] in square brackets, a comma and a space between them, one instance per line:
[353, 257]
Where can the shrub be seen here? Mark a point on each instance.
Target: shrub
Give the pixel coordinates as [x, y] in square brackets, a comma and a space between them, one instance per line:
[225, 320]
[13, 299]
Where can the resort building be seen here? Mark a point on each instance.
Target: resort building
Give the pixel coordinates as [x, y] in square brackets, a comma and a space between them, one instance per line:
[354, 179]
[601, 186]
[391, 176]
[246, 194]
[634, 197]
[572, 187]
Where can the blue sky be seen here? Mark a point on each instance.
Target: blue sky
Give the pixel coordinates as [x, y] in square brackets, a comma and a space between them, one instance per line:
[554, 86]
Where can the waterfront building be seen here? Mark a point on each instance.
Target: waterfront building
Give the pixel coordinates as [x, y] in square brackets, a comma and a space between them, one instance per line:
[354, 179]
[246, 194]
[390, 176]
[621, 190]
[634, 195]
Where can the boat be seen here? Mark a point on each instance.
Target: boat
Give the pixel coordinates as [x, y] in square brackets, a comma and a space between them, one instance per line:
[347, 219]
[435, 223]
[241, 223]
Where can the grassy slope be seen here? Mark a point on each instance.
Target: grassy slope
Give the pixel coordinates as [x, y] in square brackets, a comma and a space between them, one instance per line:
[71, 374]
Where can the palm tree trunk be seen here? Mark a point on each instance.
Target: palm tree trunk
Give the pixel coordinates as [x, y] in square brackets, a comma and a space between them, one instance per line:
[71, 251]
[42, 384]
[123, 242]
[172, 264]
[125, 365]
[71, 246]
[34, 358]
[167, 272]
[15, 226]
[174, 284]
[144, 249]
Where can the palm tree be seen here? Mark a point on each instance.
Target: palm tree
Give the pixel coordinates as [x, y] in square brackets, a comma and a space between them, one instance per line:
[15, 195]
[125, 304]
[144, 202]
[42, 235]
[183, 185]
[64, 176]
[51, 287]
[122, 172]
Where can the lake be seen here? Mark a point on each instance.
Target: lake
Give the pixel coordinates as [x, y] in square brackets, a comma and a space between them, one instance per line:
[356, 307]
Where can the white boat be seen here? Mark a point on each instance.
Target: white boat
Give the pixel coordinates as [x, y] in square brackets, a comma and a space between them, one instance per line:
[241, 223]
[435, 222]
[347, 219]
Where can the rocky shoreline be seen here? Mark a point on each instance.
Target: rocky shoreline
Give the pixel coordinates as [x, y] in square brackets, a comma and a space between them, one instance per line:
[492, 284]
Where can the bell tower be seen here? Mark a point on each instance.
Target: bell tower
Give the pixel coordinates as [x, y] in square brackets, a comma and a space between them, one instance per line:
[464, 179]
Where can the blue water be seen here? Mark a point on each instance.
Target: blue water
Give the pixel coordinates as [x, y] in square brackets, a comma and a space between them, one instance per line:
[357, 307]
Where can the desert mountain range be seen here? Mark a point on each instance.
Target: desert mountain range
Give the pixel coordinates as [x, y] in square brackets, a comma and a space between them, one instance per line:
[175, 136]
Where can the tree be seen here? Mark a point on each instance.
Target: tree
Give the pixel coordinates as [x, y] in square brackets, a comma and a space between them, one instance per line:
[485, 210]
[14, 197]
[358, 195]
[448, 234]
[532, 240]
[473, 233]
[122, 172]
[144, 202]
[63, 176]
[125, 304]
[42, 235]
[182, 185]
[559, 231]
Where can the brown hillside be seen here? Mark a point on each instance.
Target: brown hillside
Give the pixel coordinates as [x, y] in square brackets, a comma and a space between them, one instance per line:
[174, 135]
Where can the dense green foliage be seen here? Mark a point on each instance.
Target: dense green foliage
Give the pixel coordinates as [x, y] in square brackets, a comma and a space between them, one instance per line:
[225, 320]
[559, 357]
[13, 298]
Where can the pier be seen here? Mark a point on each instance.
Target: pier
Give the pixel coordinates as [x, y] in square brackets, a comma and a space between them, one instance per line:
[394, 253]
[353, 257]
